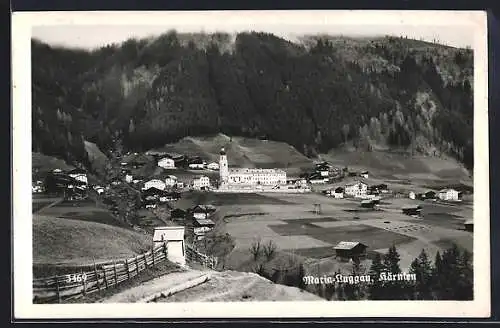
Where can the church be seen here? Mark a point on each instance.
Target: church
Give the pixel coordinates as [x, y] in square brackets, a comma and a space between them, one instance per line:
[248, 177]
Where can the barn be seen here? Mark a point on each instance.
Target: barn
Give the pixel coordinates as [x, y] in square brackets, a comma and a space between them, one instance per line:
[350, 250]
[469, 225]
[174, 237]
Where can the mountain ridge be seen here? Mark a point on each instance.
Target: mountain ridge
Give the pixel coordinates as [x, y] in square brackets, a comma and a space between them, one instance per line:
[316, 94]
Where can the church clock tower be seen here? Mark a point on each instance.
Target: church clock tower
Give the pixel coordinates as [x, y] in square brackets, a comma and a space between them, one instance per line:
[223, 167]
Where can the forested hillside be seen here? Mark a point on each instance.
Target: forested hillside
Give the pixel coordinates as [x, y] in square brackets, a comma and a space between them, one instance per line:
[316, 93]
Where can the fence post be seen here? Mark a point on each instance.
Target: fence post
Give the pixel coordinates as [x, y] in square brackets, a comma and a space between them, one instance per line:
[116, 277]
[165, 249]
[105, 278]
[145, 261]
[84, 284]
[136, 265]
[126, 266]
[153, 254]
[96, 275]
[57, 290]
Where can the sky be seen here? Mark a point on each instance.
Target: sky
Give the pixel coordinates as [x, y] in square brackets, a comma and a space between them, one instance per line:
[96, 30]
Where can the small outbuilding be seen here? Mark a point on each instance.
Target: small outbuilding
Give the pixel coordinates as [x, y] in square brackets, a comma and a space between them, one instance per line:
[469, 225]
[350, 250]
[174, 238]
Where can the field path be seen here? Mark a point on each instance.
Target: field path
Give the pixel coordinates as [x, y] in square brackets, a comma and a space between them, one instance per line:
[54, 203]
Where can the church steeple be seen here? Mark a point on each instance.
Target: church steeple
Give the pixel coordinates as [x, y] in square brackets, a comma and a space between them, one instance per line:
[223, 167]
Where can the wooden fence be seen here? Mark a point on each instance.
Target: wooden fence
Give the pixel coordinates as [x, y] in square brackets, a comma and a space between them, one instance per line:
[58, 288]
[193, 255]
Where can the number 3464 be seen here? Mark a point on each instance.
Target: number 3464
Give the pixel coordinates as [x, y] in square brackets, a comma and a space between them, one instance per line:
[76, 277]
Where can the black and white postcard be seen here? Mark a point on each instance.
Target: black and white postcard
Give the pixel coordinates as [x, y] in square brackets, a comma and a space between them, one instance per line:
[250, 164]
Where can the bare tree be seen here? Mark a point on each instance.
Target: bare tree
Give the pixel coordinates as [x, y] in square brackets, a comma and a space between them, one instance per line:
[255, 249]
[269, 250]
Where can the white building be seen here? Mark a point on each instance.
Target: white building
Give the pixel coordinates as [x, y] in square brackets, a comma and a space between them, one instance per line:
[174, 239]
[196, 166]
[79, 175]
[129, 178]
[213, 166]
[412, 195]
[448, 194]
[338, 193]
[357, 189]
[171, 181]
[166, 163]
[154, 183]
[240, 177]
[201, 182]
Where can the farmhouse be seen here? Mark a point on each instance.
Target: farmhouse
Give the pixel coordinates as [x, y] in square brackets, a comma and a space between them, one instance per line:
[203, 211]
[201, 227]
[170, 181]
[448, 194]
[166, 163]
[338, 193]
[350, 250]
[357, 189]
[79, 174]
[213, 166]
[364, 174]
[237, 177]
[469, 225]
[196, 164]
[430, 195]
[154, 183]
[323, 169]
[412, 195]
[174, 238]
[201, 183]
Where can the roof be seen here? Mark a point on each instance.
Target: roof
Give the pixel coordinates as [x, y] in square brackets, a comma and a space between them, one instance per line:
[77, 171]
[447, 189]
[205, 208]
[255, 171]
[355, 183]
[165, 158]
[469, 222]
[348, 245]
[169, 233]
[204, 222]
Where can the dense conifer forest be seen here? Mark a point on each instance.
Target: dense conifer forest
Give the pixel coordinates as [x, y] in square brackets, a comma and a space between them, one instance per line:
[315, 93]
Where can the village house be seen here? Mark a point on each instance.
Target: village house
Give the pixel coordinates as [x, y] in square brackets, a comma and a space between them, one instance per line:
[316, 178]
[368, 203]
[129, 178]
[323, 169]
[357, 189]
[201, 183]
[214, 166]
[338, 192]
[412, 195]
[196, 164]
[203, 211]
[448, 194]
[166, 163]
[430, 195]
[173, 236]
[170, 181]
[364, 174]
[201, 227]
[154, 183]
[78, 174]
[350, 250]
[469, 225]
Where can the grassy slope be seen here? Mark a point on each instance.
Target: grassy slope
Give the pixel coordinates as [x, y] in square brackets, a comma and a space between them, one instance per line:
[242, 152]
[45, 163]
[76, 242]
